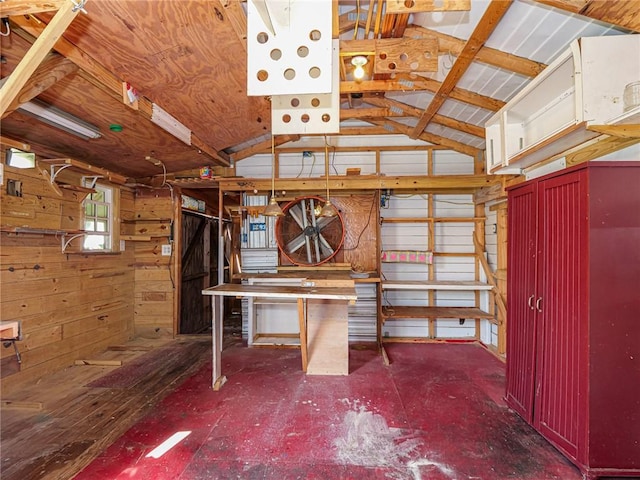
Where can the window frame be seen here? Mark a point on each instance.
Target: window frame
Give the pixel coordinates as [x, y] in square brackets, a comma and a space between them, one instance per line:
[111, 196]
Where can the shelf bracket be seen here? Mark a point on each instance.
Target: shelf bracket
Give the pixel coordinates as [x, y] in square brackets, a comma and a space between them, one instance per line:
[16, 337]
[65, 243]
[89, 181]
[54, 172]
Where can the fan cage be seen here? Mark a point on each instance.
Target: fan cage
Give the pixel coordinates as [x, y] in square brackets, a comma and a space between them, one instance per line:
[286, 228]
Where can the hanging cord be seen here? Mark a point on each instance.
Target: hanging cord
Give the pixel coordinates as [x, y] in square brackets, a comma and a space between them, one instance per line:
[355, 29]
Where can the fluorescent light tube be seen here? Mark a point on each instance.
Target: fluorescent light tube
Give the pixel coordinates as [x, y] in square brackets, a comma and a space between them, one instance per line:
[57, 118]
[164, 120]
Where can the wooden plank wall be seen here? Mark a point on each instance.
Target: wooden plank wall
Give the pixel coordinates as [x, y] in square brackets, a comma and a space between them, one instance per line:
[71, 305]
[155, 274]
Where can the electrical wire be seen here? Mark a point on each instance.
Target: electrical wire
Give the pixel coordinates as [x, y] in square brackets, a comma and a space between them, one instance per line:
[373, 203]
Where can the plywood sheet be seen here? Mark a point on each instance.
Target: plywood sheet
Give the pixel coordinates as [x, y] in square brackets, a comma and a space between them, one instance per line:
[327, 337]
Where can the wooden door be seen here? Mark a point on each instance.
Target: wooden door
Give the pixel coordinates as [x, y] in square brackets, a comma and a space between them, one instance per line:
[562, 279]
[196, 272]
[521, 313]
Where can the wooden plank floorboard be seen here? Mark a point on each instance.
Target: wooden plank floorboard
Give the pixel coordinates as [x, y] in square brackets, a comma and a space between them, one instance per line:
[77, 426]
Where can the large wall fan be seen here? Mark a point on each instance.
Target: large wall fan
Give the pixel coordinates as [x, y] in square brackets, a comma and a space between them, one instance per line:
[306, 238]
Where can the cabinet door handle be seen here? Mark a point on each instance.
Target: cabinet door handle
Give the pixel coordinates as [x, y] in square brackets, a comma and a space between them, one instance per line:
[530, 302]
[538, 304]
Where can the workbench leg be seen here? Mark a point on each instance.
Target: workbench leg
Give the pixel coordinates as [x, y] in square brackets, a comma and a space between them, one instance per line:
[217, 316]
[302, 313]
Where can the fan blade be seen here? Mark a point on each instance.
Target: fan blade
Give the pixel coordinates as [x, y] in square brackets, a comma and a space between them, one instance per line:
[305, 223]
[297, 216]
[316, 243]
[298, 241]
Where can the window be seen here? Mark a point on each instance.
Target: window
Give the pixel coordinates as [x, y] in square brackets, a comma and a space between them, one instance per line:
[98, 219]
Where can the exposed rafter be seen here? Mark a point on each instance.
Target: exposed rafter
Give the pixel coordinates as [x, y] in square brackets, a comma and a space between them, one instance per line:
[410, 111]
[36, 54]
[427, 137]
[625, 13]
[489, 21]
[400, 84]
[486, 55]
[9, 8]
[263, 146]
[52, 69]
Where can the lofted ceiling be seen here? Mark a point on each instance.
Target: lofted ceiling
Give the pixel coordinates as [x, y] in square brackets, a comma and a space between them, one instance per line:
[189, 58]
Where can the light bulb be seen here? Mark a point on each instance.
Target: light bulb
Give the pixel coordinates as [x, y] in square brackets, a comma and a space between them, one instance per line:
[359, 62]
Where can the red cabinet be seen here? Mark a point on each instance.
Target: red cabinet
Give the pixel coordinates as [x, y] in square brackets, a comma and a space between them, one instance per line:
[573, 329]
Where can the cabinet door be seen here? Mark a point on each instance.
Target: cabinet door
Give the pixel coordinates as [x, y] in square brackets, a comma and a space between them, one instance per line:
[521, 336]
[561, 369]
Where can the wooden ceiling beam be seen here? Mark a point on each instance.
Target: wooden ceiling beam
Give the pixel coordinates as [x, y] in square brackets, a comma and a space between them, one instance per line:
[411, 111]
[426, 183]
[487, 24]
[486, 55]
[52, 69]
[401, 84]
[38, 51]
[9, 8]
[428, 137]
[616, 12]
[103, 78]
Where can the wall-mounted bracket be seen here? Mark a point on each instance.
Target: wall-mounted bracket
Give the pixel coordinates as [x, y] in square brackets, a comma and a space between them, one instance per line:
[55, 170]
[89, 181]
[65, 243]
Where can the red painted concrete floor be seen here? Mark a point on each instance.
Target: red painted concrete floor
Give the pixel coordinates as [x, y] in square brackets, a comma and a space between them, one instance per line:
[435, 413]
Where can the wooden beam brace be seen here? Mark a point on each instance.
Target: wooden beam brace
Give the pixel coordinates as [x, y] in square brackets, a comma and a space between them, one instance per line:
[420, 84]
[36, 54]
[448, 44]
[411, 111]
[487, 24]
[9, 8]
[428, 137]
[53, 69]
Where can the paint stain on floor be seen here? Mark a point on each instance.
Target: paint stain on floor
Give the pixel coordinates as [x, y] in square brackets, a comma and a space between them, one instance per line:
[435, 413]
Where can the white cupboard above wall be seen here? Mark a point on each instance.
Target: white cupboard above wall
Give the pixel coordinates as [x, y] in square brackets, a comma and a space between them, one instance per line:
[594, 82]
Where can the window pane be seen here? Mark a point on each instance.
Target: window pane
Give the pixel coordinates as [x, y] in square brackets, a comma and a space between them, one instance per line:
[101, 226]
[98, 196]
[94, 242]
[102, 211]
[89, 209]
[89, 225]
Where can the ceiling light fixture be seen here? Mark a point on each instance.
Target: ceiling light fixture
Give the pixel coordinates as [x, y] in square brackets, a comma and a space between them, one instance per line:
[273, 209]
[328, 210]
[359, 62]
[57, 118]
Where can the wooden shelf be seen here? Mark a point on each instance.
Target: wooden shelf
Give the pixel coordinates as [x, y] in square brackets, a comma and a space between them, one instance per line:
[76, 188]
[146, 220]
[391, 313]
[81, 167]
[436, 285]
[38, 231]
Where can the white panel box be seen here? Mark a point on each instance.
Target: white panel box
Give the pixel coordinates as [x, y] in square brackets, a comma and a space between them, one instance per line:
[289, 47]
[309, 113]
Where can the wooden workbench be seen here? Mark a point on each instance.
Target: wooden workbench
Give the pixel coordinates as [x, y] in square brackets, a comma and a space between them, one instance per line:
[328, 304]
